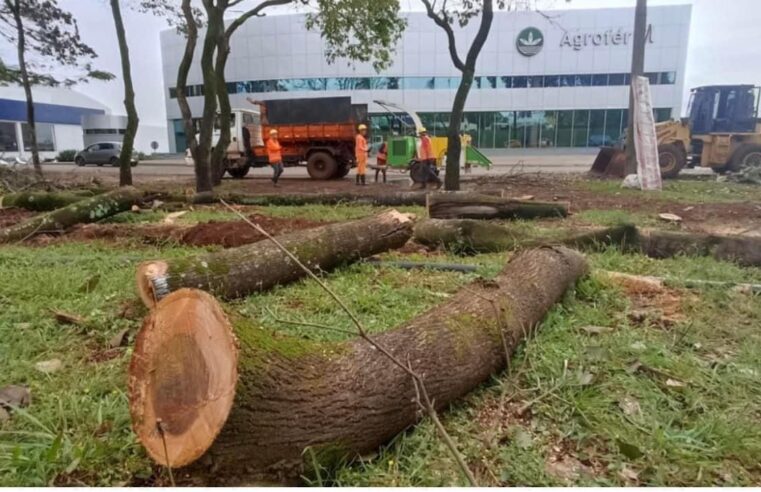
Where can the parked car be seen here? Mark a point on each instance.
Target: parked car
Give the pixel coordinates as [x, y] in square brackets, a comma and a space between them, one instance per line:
[102, 153]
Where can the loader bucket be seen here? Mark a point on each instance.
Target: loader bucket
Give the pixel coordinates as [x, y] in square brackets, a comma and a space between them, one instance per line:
[610, 162]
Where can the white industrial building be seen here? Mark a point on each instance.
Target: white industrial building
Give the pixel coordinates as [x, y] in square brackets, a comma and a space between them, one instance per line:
[556, 79]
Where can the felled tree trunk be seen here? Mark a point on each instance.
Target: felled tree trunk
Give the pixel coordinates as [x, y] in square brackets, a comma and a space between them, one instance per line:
[466, 236]
[743, 250]
[81, 212]
[477, 206]
[397, 199]
[39, 201]
[237, 272]
[339, 399]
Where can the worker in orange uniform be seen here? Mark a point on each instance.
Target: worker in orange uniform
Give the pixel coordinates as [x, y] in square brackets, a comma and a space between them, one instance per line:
[360, 153]
[427, 157]
[274, 156]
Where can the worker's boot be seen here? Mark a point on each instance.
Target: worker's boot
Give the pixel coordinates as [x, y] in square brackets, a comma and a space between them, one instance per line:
[363, 180]
[357, 180]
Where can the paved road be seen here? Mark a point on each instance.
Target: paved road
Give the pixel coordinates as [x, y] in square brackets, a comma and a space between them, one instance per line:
[575, 162]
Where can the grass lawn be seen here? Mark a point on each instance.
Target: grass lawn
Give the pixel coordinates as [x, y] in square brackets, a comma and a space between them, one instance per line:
[630, 400]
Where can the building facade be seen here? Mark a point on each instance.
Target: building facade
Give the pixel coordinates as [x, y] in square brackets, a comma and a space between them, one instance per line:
[552, 80]
[58, 120]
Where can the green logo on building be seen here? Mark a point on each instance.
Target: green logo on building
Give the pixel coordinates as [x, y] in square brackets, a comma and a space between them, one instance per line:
[530, 41]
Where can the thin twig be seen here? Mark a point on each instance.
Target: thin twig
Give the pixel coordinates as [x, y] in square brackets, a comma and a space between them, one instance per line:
[160, 427]
[306, 323]
[417, 380]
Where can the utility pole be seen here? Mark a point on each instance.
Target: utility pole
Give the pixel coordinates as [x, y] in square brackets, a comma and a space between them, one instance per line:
[638, 68]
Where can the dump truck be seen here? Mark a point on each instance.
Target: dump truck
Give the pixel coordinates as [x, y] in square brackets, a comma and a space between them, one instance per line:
[316, 132]
[722, 132]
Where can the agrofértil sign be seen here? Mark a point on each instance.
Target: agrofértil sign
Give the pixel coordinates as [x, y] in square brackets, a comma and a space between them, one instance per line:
[530, 41]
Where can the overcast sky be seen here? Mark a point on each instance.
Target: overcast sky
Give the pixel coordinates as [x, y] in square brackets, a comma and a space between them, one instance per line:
[724, 47]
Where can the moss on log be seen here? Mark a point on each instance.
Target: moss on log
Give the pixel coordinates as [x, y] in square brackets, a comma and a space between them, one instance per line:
[38, 201]
[237, 272]
[339, 399]
[743, 250]
[81, 212]
[459, 205]
[466, 236]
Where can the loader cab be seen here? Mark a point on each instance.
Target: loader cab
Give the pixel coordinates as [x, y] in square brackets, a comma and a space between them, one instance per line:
[726, 109]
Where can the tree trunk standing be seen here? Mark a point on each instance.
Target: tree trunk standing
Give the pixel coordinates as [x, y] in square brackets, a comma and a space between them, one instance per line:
[638, 68]
[21, 47]
[201, 167]
[128, 143]
[256, 267]
[452, 176]
[340, 399]
[219, 154]
[214, 25]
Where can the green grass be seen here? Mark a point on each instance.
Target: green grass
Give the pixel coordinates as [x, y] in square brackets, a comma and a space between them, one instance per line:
[682, 190]
[615, 217]
[77, 429]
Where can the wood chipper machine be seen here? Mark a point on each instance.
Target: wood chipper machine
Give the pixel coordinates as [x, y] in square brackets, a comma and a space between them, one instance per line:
[403, 148]
[723, 132]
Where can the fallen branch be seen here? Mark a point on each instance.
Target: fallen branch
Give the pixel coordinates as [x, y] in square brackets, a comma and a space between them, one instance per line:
[81, 212]
[466, 236]
[337, 399]
[42, 201]
[744, 288]
[256, 267]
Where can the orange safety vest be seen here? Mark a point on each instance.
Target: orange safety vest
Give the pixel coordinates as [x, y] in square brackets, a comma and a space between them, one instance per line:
[426, 148]
[273, 151]
[360, 147]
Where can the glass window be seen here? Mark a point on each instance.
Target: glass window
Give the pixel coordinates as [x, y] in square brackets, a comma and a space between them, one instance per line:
[565, 128]
[668, 78]
[446, 82]
[502, 123]
[483, 123]
[580, 128]
[384, 83]
[520, 82]
[418, 83]
[45, 139]
[597, 137]
[613, 125]
[172, 93]
[566, 80]
[551, 81]
[505, 82]
[441, 121]
[106, 146]
[549, 128]
[428, 121]
[617, 79]
[362, 83]
[662, 114]
[653, 77]
[533, 127]
[232, 88]
[600, 79]
[582, 80]
[536, 81]
[8, 140]
[490, 83]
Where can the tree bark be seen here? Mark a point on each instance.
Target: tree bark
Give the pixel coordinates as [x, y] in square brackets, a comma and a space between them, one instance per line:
[214, 25]
[390, 199]
[298, 401]
[201, 166]
[82, 212]
[467, 236]
[476, 206]
[42, 201]
[128, 143]
[638, 68]
[21, 51]
[237, 272]
[219, 154]
[743, 250]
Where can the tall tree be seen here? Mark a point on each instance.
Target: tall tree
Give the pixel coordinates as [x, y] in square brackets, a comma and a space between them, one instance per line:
[125, 157]
[638, 69]
[444, 17]
[42, 28]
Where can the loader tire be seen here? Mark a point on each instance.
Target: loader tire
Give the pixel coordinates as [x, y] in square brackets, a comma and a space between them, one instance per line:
[322, 165]
[238, 172]
[748, 155]
[672, 159]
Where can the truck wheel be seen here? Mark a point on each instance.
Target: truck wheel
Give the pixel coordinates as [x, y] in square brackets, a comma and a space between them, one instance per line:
[343, 171]
[239, 172]
[671, 159]
[748, 155]
[321, 165]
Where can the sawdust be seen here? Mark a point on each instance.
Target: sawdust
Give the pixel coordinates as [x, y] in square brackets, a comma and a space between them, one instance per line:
[651, 301]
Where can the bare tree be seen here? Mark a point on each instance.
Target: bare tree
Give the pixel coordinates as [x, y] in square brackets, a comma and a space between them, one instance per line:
[128, 143]
[638, 68]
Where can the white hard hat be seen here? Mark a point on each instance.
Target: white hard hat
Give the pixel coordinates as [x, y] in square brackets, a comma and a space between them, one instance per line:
[273, 131]
[422, 130]
[362, 127]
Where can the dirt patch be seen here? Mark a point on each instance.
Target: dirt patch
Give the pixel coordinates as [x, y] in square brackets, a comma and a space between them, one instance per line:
[148, 233]
[12, 216]
[238, 233]
[651, 301]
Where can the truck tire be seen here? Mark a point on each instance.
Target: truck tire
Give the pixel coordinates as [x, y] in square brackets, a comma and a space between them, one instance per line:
[671, 159]
[343, 171]
[239, 172]
[748, 155]
[322, 165]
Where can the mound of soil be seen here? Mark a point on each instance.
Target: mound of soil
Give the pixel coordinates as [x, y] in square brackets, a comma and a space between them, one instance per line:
[12, 216]
[238, 233]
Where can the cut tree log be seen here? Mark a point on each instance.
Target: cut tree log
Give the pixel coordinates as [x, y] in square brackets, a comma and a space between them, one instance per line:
[743, 250]
[466, 236]
[389, 199]
[82, 212]
[256, 267]
[477, 206]
[337, 399]
[40, 201]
